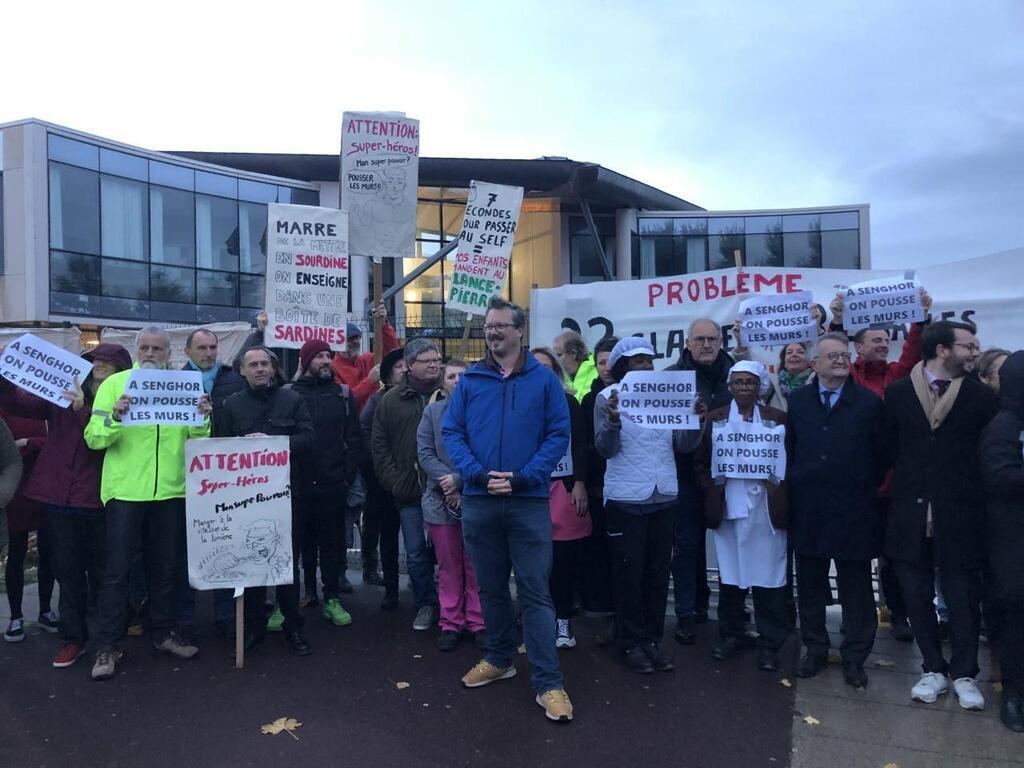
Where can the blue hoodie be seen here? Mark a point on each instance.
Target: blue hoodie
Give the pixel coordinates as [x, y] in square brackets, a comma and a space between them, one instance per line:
[517, 424]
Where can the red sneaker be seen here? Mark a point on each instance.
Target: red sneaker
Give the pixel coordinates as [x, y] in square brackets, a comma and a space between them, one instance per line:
[69, 654]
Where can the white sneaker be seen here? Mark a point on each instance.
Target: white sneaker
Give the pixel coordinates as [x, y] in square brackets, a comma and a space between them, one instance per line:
[425, 618]
[968, 694]
[15, 631]
[564, 637]
[929, 687]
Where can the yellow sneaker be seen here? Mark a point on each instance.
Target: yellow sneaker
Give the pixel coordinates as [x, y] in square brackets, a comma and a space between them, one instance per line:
[556, 705]
[485, 672]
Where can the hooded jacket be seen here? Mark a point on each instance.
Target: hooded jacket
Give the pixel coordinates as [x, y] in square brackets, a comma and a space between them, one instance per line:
[1002, 469]
[339, 441]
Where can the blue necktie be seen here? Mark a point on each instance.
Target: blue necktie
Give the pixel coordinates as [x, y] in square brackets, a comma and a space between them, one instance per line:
[826, 399]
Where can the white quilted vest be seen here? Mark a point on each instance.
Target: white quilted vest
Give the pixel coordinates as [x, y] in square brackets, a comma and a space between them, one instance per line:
[645, 463]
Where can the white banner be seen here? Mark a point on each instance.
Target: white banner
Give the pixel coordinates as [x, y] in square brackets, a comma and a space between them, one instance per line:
[42, 368]
[163, 397]
[656, 400]
[238, 512]
[307, 275]
[484, 254]
[748, 451]
[876, 302]
[379, 179]
[775, 321]
[988, 291]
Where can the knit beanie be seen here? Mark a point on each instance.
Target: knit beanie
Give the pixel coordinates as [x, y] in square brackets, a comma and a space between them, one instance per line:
[311, 349]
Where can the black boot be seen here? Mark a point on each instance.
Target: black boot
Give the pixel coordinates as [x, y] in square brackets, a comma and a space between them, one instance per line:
[1011, 712]
[768, 660]
[297, 643]
[810, 665]
[637, 661]
[727, 648]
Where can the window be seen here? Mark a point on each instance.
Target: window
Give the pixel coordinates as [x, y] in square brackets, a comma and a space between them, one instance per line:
[252, 291]
[802, 249]
[840, 249]
[125, 279]
[172, 226]
[585, 257]
[764, 250]
[219, 288]
[122, 164]
[74, 209]
[722, 250]
[73, 152]
[172, 283]
[252, 238]
[125, 221]
[216, 233]
[74, 273]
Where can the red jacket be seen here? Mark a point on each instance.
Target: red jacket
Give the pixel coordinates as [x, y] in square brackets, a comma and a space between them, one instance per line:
[353, 372]
[877, 375]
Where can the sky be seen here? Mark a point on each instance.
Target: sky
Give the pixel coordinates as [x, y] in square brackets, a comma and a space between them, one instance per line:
[914, 108]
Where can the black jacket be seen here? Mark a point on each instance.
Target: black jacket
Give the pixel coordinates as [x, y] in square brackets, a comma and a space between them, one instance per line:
[1002, 468]
[272, 411]
[713, 388]
[596, 463]
[225, 384]
[835, 461]
[577, 442]
[338, 437]
[939, 468]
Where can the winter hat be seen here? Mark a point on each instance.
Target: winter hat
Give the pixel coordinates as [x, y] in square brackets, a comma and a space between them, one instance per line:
[755, 369]
[109, 353]
[387, 365]
[629, 347]
[353, 331]
[311, 349]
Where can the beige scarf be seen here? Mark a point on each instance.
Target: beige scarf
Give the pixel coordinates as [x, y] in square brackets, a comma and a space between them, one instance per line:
[935, 408]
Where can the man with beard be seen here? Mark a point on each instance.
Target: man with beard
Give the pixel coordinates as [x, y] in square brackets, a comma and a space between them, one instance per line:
[935, 420]
[262, 409]
[142, 487]
[321, 484]
[691, 595]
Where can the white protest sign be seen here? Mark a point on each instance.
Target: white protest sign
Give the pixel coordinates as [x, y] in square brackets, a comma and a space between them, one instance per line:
[659, 400]
[163, 397]
[777, 320]
[484, 253]
[564, 466]
[307, 275]
[42, 368]
[238, 512]
[379, 179]
[883, 302]
[748, 451]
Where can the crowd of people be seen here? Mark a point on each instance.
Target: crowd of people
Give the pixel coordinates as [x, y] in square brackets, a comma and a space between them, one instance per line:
[526, 465]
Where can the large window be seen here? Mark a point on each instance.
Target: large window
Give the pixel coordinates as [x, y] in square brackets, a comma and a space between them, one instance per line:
[74, 209]
[584, 255]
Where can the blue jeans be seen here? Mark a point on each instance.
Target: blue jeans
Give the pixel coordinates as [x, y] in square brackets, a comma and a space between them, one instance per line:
[503, 533]
[417, 558]
[690, 538]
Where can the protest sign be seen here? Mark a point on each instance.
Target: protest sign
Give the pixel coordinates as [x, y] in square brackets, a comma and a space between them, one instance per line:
[163, 397]
[238, 512]
[379, 178]
[777, 320]
[748, 451]
[564, 466]
[307, 275]
[42, 368]
[881, 302]
[662, 400]
[484, 253]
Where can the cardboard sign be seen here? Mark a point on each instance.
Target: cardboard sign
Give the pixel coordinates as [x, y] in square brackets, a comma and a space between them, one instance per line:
[238, 512]
[484, 253]
[659, 400]
[748, 451]
[163, 397]
[888, 301]
[307, 275]
[775, 321]
[380, 154]
[564, 466]
[42, 368]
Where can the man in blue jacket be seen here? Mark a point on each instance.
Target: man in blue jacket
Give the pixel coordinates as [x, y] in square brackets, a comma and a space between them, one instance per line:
[505, 430]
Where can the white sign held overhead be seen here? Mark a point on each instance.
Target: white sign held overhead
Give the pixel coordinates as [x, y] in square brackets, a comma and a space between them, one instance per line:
[42, 368]
[888, 301]
[746, 450]
[307, 275]
[379, 180]
[484, 254]
[238, 512]
[659, 400]
[777, 320]
[163, 397]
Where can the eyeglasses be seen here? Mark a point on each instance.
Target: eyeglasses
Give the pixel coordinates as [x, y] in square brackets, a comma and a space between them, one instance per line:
[968, 347]
[431, 361]
[701, 341]
[834, 357]
[498, 326]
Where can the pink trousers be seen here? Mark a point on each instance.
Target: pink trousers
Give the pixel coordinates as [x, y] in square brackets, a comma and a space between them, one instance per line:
[459, 596]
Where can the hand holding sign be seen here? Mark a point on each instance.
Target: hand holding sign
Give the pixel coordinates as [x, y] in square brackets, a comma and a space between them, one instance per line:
[42, 368]
[777, 320]
[660, 400]
[75, 396]
[887, 301]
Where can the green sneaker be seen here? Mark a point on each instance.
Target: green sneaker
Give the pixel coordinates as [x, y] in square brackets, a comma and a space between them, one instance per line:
[276, 621]
[334, 613]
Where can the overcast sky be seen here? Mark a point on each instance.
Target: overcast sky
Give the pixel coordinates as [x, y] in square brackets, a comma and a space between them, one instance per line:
[915, 108]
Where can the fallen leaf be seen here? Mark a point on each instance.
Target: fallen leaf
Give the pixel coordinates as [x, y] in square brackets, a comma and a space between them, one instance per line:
[401, 685]
[812, 720]
[417, 655]
[288, 724]
[884, 664]
[784, 682]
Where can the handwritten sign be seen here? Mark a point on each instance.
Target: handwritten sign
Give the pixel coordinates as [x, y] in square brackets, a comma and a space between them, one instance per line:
[774, 321]
[748, 451]
[379, 178]
[888, 301]
[42, 368]
[163, 397]
[564, 466]
[307, 275]
[659, 400]
[238, 512]
[484, 254]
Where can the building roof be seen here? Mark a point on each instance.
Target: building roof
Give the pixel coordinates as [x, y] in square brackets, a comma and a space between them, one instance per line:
[546, 176]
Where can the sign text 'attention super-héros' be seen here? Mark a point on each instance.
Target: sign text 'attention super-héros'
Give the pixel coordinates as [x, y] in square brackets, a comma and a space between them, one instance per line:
[484, 254]
[307, 275]
[42, 368]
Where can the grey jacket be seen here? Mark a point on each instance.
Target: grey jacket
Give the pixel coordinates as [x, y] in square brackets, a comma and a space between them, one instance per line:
[435, 463]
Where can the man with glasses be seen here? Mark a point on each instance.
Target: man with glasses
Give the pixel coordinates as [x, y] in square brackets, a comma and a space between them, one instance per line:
[837, 457]
[935, 419]
[393, 445]
[691, 595]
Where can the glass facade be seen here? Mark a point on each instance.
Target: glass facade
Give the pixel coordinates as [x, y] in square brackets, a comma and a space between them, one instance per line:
[675, 245]
[146, 240]
[584, 256]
